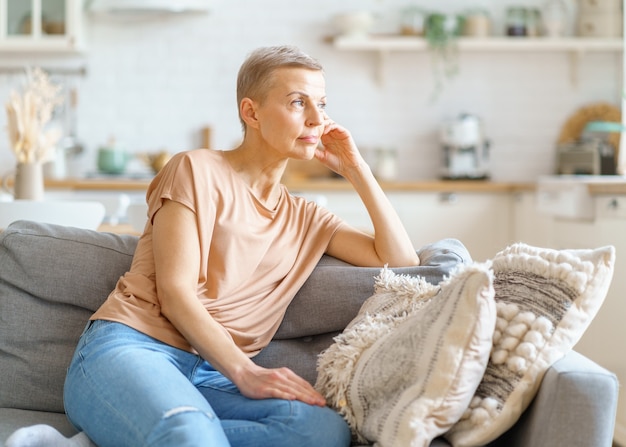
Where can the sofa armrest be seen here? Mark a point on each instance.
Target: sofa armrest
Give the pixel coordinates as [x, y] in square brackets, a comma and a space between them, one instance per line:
[575, 406]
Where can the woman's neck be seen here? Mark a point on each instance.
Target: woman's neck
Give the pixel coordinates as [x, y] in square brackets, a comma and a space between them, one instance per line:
[259, 170]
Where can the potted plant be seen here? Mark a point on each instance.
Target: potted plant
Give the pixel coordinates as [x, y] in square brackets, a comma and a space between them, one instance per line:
[441, 32]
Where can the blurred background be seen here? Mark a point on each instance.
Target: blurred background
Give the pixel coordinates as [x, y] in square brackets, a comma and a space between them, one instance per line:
[164, 81]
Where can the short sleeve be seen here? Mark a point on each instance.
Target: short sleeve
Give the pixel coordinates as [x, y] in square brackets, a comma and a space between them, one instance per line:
[177, 182]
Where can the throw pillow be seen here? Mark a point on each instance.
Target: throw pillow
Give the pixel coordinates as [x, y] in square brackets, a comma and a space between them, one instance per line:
[406, 368]
[545, 301]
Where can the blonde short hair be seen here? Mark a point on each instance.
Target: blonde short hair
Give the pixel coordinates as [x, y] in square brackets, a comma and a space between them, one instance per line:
[255, 74]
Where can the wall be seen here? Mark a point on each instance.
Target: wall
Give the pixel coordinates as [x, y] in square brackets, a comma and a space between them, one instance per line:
[154, 83]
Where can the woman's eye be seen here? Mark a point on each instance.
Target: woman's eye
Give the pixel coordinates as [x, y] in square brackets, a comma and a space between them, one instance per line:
[298, 102]
[322, 106]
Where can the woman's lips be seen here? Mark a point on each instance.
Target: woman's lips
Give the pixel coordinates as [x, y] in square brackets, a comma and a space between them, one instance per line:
[311, 139]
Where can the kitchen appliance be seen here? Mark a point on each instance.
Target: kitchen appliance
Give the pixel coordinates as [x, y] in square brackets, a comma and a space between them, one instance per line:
[465, 149]
[586, 157]
[592, 153]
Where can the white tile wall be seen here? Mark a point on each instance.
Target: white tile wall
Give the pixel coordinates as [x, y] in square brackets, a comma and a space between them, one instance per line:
[154, 83]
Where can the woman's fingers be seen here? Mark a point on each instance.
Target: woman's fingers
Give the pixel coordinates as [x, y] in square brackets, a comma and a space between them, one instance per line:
[281, 383]
[294, 386]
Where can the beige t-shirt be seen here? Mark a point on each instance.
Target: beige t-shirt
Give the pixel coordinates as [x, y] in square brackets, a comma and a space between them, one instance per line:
[253, 259]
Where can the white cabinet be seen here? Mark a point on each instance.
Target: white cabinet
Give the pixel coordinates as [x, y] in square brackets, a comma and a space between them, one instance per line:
[482, 221]
[347, 205]
[528, 225]
[40, 25]
[608, 330]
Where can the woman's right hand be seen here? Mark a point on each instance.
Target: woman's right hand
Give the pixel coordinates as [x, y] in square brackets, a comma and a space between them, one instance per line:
[257, 382]
[339, 152]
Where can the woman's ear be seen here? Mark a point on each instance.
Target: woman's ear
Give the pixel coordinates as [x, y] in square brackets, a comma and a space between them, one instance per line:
[247, 110]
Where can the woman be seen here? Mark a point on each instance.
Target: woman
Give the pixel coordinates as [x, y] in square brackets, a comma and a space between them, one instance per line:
[166, 360]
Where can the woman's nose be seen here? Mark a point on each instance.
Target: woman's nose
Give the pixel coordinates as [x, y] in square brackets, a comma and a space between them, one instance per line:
[316, 117]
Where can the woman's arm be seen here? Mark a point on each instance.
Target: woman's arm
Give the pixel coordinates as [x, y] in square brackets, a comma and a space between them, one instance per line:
[177, 262]
[390, 244]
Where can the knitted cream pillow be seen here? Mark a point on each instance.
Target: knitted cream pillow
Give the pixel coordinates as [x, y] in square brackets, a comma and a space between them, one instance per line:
[545, 301]
[406, 368]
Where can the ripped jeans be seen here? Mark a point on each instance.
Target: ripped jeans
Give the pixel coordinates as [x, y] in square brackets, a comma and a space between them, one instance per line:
[124, 388]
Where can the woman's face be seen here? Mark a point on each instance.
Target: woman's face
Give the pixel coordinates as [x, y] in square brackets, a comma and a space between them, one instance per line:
[291, 117]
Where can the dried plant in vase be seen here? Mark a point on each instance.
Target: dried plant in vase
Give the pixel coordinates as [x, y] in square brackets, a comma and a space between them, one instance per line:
[28, 114]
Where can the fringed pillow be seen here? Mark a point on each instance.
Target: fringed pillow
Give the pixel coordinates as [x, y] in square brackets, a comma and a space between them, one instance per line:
[406, 368]
[545, 301]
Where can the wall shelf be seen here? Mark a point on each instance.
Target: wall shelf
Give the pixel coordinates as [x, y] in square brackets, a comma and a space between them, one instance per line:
[575, 46]
[388, 43]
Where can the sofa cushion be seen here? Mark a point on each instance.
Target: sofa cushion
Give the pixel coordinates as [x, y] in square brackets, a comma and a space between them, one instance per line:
[545, 299]
[406, 368]
[52, 278]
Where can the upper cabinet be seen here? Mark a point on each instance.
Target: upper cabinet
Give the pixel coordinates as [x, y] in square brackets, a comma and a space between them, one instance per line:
[40, 26]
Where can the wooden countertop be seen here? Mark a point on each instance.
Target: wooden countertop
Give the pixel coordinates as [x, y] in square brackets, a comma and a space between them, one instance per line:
[312, 185]
[613, 188]
[98, 184]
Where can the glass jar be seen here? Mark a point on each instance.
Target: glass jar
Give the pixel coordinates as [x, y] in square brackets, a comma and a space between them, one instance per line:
[412, 21]
[516, 21]
[554, 18]
[533, 22]
[477, 23]
[386, 166]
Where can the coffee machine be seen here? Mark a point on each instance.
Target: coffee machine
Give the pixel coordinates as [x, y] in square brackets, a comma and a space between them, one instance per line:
[465, 150]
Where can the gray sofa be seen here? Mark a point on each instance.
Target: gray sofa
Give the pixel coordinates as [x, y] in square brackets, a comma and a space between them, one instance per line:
[52, 278]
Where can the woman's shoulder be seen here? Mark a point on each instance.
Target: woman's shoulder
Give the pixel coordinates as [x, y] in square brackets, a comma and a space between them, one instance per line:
[197, 160]
[199, 155]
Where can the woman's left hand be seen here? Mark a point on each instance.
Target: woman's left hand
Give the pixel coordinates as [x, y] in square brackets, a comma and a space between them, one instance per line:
[339, 153]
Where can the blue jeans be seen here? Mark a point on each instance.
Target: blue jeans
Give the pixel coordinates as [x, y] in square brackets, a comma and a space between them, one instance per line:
[124, 388]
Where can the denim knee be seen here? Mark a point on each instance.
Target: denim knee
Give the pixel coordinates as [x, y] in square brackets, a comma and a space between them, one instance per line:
[187, 427]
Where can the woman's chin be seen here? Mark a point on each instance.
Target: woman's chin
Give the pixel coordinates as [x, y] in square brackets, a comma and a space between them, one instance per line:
[304, 154]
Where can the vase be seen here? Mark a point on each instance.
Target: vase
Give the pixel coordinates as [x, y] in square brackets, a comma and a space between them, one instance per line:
[554, 18]
[27, 181]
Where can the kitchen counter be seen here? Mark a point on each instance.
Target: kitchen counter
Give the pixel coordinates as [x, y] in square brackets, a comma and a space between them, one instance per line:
[89, 184]
[611, 188]
[595, 184]
[121, 184]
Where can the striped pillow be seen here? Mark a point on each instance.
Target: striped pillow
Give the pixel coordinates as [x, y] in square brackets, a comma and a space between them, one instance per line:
[545, 301]
[403, 372]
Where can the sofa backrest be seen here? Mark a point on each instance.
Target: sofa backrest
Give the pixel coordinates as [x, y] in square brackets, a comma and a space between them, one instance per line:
[335, 291]
[52, 278]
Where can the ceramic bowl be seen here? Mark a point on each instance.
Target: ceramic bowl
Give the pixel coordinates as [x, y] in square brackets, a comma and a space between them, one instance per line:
[354, 24]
